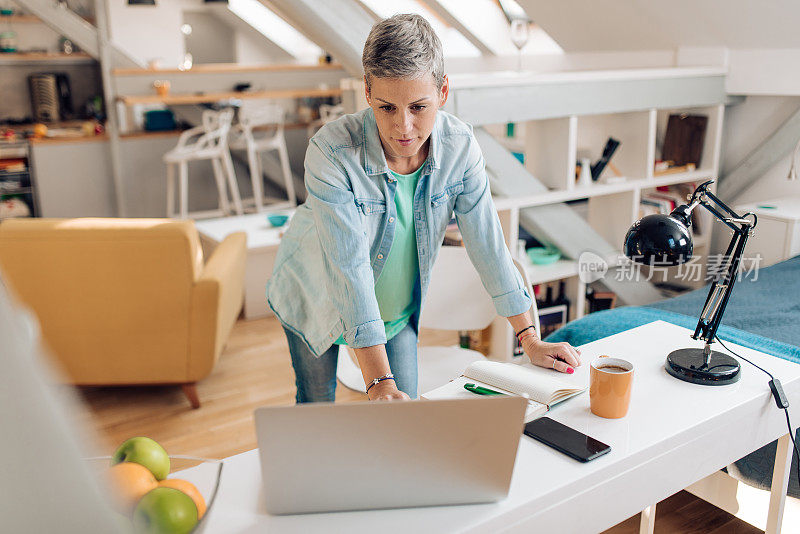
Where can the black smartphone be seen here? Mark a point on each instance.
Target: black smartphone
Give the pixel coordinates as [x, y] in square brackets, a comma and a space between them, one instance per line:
[565, 439]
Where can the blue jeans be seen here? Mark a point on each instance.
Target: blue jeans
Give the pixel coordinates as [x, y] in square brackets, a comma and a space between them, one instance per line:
[315, 377]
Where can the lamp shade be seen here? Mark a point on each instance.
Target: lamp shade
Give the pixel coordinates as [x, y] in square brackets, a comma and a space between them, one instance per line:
[658, 240]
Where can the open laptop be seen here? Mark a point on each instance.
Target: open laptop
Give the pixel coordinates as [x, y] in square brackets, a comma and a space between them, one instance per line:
[331, 457]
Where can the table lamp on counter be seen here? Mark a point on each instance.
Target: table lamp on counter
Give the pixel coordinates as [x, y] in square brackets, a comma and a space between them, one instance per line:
[665, 240]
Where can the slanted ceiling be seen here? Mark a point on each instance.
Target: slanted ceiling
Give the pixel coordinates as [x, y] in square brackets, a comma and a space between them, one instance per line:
[605, 25]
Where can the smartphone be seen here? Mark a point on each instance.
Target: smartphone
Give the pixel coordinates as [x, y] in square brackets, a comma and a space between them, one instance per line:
[565, 439]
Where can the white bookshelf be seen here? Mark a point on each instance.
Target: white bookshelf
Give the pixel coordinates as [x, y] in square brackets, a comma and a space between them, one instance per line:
[551, 147]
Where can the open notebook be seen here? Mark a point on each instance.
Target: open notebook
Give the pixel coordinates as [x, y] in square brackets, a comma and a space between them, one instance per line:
[543, 389]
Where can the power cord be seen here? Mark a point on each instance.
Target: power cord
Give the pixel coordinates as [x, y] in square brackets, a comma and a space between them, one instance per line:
[780, 399]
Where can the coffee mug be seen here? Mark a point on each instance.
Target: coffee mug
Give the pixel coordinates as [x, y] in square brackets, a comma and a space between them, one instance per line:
[611, 382]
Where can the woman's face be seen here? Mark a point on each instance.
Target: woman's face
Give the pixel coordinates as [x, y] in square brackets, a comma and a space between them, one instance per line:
[405, 110]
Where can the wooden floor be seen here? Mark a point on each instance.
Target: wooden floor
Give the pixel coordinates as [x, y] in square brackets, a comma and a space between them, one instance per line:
[254, 370]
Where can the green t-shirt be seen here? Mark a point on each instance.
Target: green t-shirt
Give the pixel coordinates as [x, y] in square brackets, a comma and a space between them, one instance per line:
[394, 288]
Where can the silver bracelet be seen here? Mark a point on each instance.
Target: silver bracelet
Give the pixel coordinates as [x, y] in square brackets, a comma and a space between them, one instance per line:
[387, 376]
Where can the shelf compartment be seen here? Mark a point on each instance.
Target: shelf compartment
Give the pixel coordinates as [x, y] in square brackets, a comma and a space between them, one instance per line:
[549, 147]
[700, 175]
[199, 98]
[13, 174]
[17, 191]
[554, 197]
[711, 144]
[19, 58]
[631, 129]
[612, 215]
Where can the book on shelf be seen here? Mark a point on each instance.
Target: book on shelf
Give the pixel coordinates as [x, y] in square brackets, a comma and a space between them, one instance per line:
[543, 387]
[553, 312]
[684, 138]
[599, 166]
[600, 300]
[664, 199]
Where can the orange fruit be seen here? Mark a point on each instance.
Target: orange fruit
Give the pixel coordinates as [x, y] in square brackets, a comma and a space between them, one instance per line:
[189, 489]
[131, 481]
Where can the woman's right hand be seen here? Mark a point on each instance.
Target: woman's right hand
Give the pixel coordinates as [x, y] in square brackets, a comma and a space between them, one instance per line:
[386, 391]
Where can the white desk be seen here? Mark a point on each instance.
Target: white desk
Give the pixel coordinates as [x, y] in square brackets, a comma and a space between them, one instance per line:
[263, 240]
[675, 434]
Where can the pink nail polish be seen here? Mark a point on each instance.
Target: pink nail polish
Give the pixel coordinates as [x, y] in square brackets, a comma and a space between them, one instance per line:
[570, 370]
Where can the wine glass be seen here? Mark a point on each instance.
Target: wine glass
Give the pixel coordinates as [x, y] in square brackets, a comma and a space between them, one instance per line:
[520, 33]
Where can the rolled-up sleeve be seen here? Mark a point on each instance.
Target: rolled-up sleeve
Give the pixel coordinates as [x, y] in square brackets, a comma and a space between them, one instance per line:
[483, 237]
[345, 251]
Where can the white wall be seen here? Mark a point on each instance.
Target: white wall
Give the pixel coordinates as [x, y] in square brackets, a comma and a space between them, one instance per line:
[153, 32]
[150, 32]
[251, 50]
[35, 35]
[211, 40]
[746, 126]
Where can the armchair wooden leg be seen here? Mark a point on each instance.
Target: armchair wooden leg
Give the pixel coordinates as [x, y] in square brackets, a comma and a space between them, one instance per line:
[190, 390]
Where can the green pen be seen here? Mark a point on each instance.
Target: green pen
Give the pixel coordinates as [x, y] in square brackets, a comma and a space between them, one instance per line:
[481, 390]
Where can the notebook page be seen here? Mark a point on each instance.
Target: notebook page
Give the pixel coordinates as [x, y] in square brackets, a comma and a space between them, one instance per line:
[519, 380]
[455, 390]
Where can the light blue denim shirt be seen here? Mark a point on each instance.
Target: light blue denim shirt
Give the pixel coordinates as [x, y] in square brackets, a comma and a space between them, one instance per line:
[323, 282]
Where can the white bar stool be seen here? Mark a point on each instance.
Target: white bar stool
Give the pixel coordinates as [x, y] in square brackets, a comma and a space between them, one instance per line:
[206, 142]
[260, 129]
[327, 113]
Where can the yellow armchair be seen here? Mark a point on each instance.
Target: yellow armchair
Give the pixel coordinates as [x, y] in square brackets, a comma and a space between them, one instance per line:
[126, 301]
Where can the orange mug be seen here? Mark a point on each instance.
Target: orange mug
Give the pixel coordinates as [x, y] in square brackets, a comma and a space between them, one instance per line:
[611, 382]
[162, 87]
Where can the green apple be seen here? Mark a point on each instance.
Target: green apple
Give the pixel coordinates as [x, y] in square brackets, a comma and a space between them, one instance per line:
[146, 452]
[165, 511]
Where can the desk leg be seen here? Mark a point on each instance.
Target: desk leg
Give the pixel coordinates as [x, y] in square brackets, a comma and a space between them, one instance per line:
[648, 522]
[780, 482]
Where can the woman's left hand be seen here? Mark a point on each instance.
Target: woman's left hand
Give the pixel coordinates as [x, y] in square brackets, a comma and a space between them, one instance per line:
[562, 357]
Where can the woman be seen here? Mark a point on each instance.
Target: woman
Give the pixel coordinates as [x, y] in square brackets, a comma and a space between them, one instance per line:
[354, 265]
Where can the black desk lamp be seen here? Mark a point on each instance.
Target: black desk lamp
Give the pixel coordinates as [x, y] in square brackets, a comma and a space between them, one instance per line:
[665, 240]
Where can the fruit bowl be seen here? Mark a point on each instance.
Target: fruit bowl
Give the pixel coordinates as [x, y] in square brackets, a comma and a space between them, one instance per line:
[203, 473]
[543, 255]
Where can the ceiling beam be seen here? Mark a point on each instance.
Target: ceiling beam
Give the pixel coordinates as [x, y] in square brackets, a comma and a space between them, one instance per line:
[340, 27]
[444, 14]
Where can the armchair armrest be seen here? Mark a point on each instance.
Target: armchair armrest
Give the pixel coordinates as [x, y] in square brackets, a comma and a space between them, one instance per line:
[217, 298]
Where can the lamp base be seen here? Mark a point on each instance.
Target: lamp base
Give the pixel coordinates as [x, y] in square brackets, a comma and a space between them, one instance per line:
[690, 365]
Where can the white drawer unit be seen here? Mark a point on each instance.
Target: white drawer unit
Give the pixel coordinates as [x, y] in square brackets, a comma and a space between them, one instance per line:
[777, 235]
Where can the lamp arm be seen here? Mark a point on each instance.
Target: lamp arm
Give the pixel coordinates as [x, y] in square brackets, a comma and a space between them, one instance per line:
[720, 216]
[721, 204]
[722, 287]
[702, 196]
[720, 290]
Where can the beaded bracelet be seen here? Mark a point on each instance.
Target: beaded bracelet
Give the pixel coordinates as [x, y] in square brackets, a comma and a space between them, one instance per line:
[387, 376]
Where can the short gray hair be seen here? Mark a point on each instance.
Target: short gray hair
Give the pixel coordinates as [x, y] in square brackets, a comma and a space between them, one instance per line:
[403, 46]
